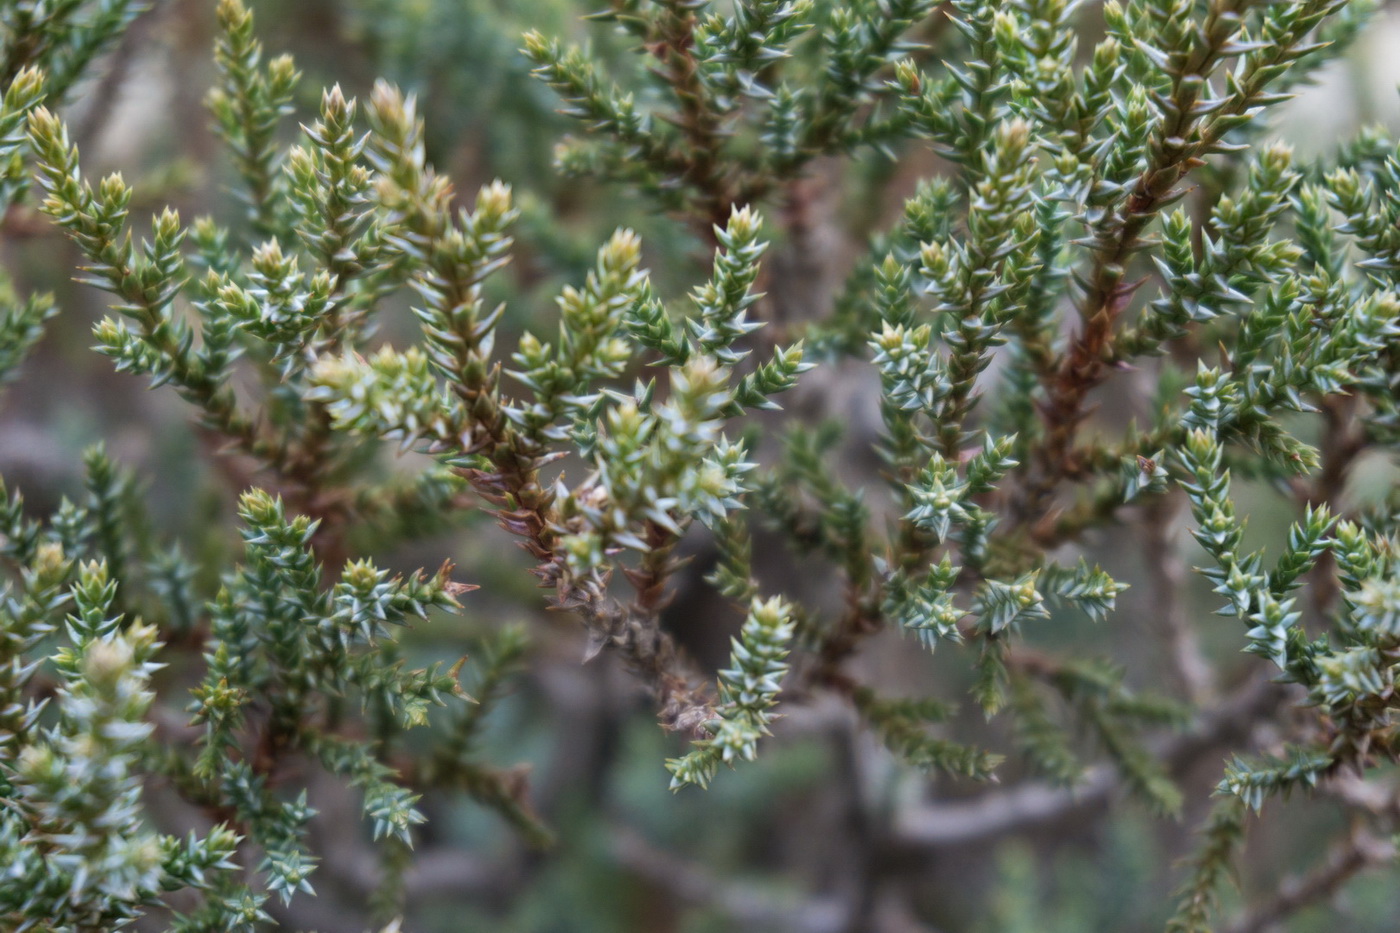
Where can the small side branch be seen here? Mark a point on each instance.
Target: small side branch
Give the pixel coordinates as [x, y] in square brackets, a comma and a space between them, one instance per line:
[1358, 852]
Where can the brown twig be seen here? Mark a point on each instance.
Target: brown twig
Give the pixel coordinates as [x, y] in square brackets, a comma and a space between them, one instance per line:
[1343, 441]
[697, 119]
[525, 509]
[1177, 147]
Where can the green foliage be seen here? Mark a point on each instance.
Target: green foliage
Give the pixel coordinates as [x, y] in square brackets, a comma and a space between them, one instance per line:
[748, 690]
[1091, 213]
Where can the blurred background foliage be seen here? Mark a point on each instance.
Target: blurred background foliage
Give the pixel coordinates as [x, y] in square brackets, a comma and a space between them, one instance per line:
[778, 844]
